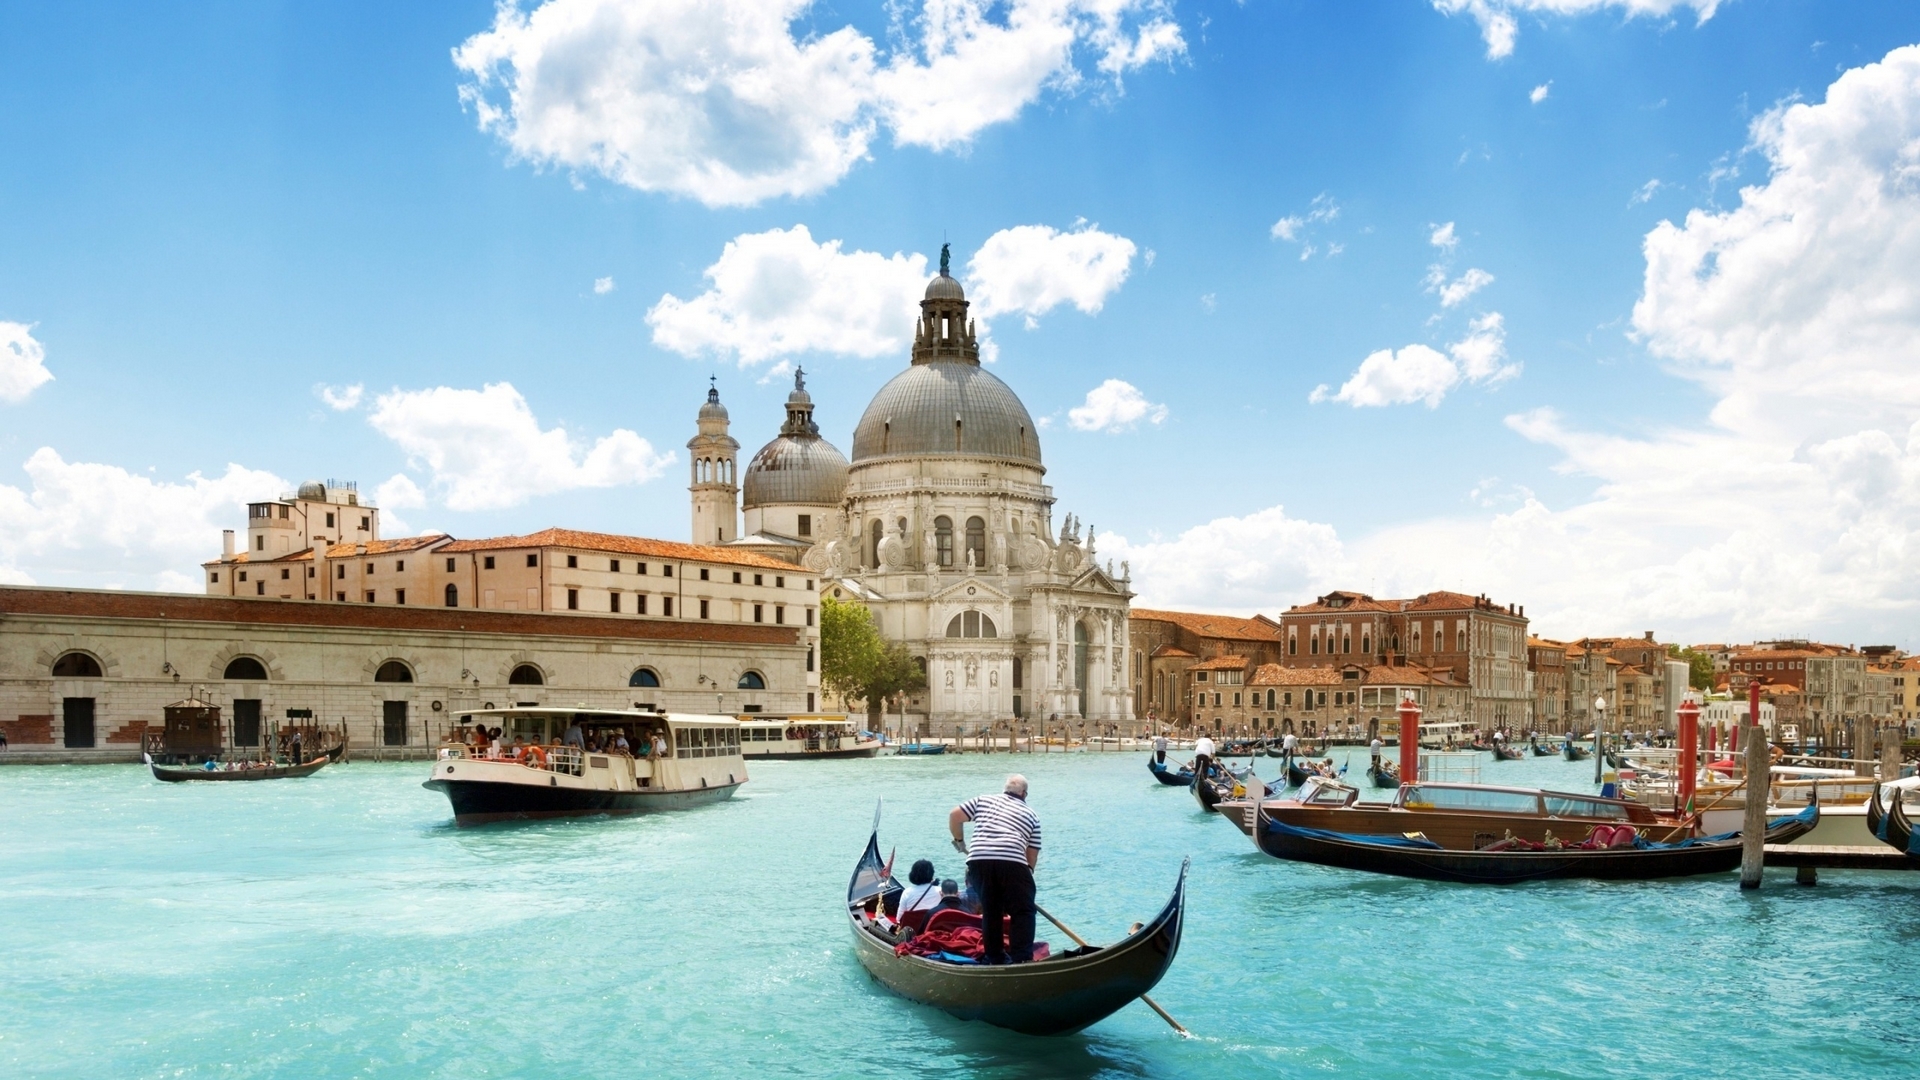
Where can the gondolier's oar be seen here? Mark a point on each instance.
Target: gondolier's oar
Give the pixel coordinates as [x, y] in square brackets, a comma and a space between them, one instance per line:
[1082, 942]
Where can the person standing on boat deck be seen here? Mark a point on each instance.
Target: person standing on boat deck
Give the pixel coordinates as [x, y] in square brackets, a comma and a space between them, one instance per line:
[293, 748]
[1006, 848]
[574, 737]
[1289, 743]
[1160, 748]
[1376, 746]
[1202, 755]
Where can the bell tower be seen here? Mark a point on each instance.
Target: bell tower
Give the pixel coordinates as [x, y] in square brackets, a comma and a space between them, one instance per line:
[715, 486]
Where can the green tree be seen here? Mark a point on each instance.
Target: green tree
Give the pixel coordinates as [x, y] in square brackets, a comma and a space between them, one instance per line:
[850, 648]
[894, 673]
[1699, 666]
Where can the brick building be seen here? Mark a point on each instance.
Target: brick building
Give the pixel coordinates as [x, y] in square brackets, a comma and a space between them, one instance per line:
[1167, 644]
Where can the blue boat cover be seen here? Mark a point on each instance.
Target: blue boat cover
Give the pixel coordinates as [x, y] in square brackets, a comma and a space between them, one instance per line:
[1389, 840]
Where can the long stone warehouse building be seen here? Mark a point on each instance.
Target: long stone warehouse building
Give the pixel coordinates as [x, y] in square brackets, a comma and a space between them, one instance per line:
[84, 672]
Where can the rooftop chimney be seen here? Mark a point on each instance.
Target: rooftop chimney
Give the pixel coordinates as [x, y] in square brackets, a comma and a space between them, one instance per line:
[226, 544]
[1649, 635]
[322, 585]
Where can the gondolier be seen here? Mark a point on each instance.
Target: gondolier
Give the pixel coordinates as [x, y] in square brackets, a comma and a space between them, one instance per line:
[1005, 849]
[1160, 748]
[1202, 755]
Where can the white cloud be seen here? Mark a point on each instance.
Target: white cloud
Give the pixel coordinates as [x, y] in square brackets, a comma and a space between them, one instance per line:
[1794, 509]
[1539, 93]
[1454, 292]
[778, 292]
[1294, 227]
[1443, 237]
[1032, 269]
[1420, 373]
[399, 492]
[1481, 353]
[1645, 193]
[23, 367]
[341, 398]
[1209, 301]
[1386, 377]
[1499, 26]
[719, 101]
[602, 286]
[486, 451]
[90, 524]
[1113, 407]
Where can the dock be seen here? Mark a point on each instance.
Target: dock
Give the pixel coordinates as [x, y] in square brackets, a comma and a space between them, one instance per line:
[1809, 859]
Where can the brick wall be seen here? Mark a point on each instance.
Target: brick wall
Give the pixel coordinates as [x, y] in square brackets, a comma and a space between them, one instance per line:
[28, 730]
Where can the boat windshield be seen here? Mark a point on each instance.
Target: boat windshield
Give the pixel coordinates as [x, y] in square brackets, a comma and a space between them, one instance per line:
[1475, 799]
[1575, 806]
[1320, 792]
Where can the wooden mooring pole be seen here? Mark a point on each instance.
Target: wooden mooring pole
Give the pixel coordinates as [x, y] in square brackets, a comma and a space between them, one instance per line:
[1889, 754]
[1753, 829]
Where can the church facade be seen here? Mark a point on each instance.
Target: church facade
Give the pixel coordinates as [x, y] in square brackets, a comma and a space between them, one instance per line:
[941, 523]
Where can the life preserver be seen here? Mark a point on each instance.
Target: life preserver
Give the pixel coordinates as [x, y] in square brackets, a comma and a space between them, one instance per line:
[536, 757]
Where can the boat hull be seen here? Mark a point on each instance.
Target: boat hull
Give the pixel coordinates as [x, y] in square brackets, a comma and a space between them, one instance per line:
[185, 774]
[1049, 997]
[478, 802]
[1169, 777]
[864, 751]
[1511, 867]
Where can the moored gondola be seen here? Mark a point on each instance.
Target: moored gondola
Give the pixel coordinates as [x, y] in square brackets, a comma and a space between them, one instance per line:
[1412, 855]
[1182, 777]
[1877, 814]
[1059, 995]
[1899, 828]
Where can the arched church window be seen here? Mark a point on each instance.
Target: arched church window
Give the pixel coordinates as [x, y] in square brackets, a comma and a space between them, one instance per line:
[971, 624]
[943, 539]
[873, 554]
[977, 540]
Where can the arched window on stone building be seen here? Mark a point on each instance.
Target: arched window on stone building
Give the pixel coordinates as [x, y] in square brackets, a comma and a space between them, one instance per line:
[393, 671]
[76, 665]
[971, 624]
[977, 540]
[526, 675]
[245, 669]
[873, 545]
[453, 595]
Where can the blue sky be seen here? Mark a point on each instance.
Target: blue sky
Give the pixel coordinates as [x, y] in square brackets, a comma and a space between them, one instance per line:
[213, 212]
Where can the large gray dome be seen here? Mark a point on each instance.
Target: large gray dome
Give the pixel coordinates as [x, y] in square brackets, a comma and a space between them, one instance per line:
[795, 469]
[946, 408]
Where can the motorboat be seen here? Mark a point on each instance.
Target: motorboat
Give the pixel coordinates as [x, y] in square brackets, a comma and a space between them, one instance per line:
[672, 761]
[804, 738]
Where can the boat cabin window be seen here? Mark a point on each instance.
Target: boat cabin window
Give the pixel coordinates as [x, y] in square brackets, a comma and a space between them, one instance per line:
[1574, 806]
[1481, 800]
[705, 742]
[1319, 794]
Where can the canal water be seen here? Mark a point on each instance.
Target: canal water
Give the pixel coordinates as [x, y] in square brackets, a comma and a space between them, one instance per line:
[342, 927]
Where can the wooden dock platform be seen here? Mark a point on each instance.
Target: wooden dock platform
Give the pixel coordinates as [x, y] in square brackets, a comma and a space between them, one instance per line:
[1810, 859]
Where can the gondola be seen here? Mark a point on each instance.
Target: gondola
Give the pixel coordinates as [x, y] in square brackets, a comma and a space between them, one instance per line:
[1170, 777]
[1208, 792]
[1541, 751]
[1484, 748]
[174, 774]
[1574, 753]
[1618, 761]
[1381, 775]
[1297, 775]
[1414, 856]
[1060, 995]
[1899, 828]
[1877, 814]
[1507, 753]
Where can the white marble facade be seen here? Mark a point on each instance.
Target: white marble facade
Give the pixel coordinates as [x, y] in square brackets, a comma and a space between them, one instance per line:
[943, 525]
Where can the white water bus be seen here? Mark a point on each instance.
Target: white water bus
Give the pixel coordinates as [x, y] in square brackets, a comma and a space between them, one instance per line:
[549, 778]
[803, 737]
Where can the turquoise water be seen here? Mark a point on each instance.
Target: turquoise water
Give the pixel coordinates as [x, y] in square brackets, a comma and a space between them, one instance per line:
[341, 927]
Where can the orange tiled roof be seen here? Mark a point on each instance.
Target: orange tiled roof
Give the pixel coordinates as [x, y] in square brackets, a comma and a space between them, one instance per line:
[1220, 626]
[347, 551]
[1344, 603]
[1221, 663]
[1168, 650]
[1374, 675]
[625, 545]
[1277, 675]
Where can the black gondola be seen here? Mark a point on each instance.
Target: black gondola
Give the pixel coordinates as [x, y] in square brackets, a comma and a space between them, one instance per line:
[1383, 775]
[1207, 792]
[1541, 751]
[183, 773]
[1507, 753]
[1057, 996]
[1171, 777]
[1412, 856]
[1876, 814]
[1572, 752]
[1899, 828]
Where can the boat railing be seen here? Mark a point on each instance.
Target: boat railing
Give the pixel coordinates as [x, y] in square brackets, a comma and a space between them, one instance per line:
[559, 759]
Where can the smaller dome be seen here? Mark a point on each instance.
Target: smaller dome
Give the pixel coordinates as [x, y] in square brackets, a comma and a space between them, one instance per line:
[795, 469]
[713, 410]
[313, 489]
[945, 288]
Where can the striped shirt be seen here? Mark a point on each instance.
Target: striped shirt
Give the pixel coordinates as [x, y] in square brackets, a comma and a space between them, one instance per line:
[1003, 829]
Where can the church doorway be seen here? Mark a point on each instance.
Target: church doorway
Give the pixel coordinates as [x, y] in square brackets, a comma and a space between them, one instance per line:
[1080, 664]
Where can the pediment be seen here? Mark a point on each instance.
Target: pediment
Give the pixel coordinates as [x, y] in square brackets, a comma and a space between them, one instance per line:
[970, 590]
[1094, 579]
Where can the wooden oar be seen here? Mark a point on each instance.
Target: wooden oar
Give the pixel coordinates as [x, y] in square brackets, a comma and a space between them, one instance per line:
[1082, 942]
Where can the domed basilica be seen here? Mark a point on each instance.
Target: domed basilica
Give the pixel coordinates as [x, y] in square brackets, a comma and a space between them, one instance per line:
[942, 524]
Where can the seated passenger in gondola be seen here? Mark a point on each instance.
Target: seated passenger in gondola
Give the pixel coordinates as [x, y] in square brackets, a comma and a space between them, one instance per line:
[950, 899]
[921, 898]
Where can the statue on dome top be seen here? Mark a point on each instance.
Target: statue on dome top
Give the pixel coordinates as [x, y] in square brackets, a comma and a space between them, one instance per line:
[945, 255]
